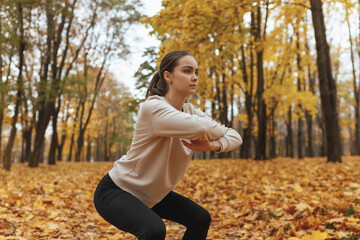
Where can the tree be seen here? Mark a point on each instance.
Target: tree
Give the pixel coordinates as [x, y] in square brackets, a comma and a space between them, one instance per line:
[356, 88]
[117, 17]
[19, 86]
[260, 153]
[327, 84]
[146, 70]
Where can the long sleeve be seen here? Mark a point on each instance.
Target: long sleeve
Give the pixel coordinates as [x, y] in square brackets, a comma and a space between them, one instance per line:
[170, 122]
[230, 141]
[157, 159]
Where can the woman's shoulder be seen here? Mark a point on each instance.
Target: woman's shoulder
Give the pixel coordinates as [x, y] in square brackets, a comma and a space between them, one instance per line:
[151, 102]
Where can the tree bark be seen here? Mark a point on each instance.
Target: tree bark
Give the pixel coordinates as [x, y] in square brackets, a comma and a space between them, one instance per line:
[19, 85]
[321, 124]
[245, 151]
[224, 109]
[309, 118]
[309, 150]
[57, 72]
[213, 115]
[289, 137]
[88, 150]
[54, 139]
[63, 135]
[46, 104]
[260, 151]
[356, 94]
[73, 133]
[327, 84]
[300, 143]
[273, 136]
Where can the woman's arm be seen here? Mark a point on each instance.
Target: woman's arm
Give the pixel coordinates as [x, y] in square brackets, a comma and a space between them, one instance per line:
[198, 145]
[168, 122]
[231, 138]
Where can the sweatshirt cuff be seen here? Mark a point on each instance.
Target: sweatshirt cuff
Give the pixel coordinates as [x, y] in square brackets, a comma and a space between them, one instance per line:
[225, 144]
[221, 147]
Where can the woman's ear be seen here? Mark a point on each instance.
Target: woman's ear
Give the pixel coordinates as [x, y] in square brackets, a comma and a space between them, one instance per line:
[167, 77]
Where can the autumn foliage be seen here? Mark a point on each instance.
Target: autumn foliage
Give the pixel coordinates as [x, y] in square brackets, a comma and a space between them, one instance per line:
[279, 199]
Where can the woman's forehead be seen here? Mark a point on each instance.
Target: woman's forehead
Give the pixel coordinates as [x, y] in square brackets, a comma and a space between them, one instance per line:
[188, 61]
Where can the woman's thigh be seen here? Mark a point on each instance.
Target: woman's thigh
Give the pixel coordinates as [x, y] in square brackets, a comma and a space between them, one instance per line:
[180, 209]
[126, 212]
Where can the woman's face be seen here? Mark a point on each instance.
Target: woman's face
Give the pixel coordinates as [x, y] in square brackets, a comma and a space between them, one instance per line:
[184, 78]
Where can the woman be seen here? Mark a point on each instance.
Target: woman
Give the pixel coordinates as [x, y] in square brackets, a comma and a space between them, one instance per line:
[136, 193]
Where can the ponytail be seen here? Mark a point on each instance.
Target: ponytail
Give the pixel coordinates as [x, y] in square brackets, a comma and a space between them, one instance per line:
[157, 86]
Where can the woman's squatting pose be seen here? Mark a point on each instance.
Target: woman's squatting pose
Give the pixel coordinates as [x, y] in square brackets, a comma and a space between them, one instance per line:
[136, 194]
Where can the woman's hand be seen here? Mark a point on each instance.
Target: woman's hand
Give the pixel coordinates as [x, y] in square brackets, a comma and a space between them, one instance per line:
[199, 145]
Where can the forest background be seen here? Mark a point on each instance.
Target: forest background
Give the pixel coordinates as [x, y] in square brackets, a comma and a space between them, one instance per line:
[285, 74]
[267, 69]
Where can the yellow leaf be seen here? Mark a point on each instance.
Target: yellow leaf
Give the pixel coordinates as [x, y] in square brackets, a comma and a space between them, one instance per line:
[298, 188]
[301, 206]
[352, 219]
[38, 204]
[317, 235]
[51, 226]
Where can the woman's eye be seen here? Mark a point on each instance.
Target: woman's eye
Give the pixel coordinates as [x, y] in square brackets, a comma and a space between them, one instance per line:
[188, 71]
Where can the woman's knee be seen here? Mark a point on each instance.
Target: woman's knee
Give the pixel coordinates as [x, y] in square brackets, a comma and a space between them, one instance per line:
[205, 217]
[201, 218]
[153, 232]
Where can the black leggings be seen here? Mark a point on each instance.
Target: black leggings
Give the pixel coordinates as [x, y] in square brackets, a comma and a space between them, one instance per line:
[129, 214]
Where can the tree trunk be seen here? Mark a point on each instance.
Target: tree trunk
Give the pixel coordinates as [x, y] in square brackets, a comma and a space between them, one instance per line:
[88, 151]
[289, 137]
[213, 115]
[352, 143]
[71, 146]
[54, 139]
[356, 94]
[224, 110]
[61, 147]
[300, 143]
[63, 135]
[22, 157]
[273, 136]
[28, 138]
[309, 118]
[323, 145]
[45, 104]
[19, 85]
[106, 138]
[310, 150]
[73, 133]
[260, 151]
[98, 83]
[327, 84]
[245, 151]
[79, 142]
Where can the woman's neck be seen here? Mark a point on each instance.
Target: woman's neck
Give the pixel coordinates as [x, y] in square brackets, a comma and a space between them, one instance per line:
[175, 100]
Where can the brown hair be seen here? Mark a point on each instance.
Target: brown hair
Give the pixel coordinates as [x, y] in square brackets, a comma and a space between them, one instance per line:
[158, 85]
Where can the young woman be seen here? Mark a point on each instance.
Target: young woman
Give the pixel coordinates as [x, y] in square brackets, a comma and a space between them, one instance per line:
[137, 192]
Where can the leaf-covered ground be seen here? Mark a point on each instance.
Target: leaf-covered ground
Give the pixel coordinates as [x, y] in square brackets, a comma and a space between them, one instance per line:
[278, 199]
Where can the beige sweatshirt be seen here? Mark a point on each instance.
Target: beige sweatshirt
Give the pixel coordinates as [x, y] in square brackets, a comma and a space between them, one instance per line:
[157, 159]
